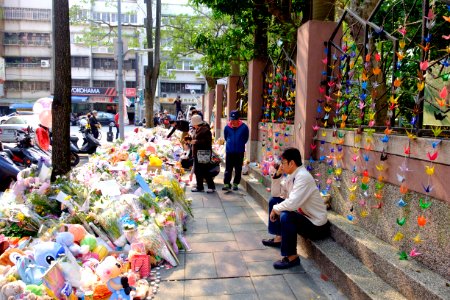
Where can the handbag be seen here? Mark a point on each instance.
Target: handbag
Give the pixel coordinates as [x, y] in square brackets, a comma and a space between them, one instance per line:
[140, 264]
[204, 156]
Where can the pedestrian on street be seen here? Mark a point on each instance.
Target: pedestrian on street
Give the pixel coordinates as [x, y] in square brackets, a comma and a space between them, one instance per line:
[296, 207]
[181, 125]
[116, 121]
[202, 151]
[94, 124]
[177, 103]
[236, 136]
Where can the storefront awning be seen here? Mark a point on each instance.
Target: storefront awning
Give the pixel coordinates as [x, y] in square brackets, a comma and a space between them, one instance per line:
[79, 99]
[21, 106]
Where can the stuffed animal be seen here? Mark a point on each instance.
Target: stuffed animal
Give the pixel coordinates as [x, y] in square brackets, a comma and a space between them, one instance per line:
[67, 239]
[109, 271]
[9, 257]
[78, 231]
[47, 252]
[29, 272]
[13, 290]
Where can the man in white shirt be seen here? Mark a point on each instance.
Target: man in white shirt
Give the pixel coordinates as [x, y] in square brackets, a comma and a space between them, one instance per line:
[296, 207]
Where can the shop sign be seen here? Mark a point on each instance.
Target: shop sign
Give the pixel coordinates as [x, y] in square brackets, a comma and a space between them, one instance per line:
[187, 100]
[130, 92]
[100, 99]
[94, 91]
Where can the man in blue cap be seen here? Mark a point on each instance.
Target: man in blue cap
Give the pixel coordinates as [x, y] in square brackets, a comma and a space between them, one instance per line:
[236, 136]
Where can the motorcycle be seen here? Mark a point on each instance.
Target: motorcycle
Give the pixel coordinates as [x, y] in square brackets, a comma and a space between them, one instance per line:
[89, 146]
[8, 170]
[26, 153]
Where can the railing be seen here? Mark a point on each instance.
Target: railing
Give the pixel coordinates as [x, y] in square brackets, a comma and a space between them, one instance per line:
[279, 89]
[389, 70]
[23, 65]
[17, 42]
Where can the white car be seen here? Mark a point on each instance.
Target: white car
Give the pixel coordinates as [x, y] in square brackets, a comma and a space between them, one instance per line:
[6, 117]
[10, 126]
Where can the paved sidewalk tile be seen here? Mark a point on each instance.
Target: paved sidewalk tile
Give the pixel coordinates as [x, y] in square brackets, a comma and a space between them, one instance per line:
[211, 237]
[303, 287]
[214, 247]
[197, 225]
[208, 212]
[218, 225]
[200, 265]
[230, 264]
[249, 240]
[272, 287]
[170, 290]
[219, 287]
[176, 273]
[260, 226]
[268, 254]
[261, 268]
[230, 297]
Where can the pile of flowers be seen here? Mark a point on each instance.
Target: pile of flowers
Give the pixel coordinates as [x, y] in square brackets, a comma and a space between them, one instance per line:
[97, 232]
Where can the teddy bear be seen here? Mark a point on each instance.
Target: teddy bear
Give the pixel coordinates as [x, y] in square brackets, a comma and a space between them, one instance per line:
[12, 290]
[110, 271]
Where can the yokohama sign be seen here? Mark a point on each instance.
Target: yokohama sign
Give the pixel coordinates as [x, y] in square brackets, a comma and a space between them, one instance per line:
[94, 91]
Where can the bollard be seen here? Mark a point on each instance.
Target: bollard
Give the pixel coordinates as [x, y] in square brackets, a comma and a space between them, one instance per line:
[109, 135]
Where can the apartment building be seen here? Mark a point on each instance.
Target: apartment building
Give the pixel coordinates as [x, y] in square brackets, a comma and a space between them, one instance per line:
[182, 77]
[26, 30]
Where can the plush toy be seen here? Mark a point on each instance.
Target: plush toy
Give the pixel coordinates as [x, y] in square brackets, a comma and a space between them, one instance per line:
[47, 252]
[29, 272]
[67, 239]
[9, 257]
[89, 241]
[78, 231]
[13, 290]
[109, 271]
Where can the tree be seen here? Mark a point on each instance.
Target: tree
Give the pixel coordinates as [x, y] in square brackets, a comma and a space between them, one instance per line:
[62, 95]
[152, 73]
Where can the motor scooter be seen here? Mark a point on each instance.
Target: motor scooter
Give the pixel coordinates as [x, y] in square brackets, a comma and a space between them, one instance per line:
[89, 146]
[8, 170]
[26, 153]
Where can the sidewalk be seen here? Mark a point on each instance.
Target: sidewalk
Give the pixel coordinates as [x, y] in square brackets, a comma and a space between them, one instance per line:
[228, 261]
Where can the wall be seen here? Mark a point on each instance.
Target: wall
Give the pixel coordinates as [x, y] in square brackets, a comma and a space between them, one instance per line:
[383, 221]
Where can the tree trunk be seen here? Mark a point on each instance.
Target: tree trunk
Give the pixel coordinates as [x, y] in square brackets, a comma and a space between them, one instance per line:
[323, 10]
[61, 107]
[260, 16]
[152, 73]
[211, 82]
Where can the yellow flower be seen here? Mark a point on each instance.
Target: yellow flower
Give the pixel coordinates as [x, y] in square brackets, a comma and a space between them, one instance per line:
[67, 197]
[20, 216]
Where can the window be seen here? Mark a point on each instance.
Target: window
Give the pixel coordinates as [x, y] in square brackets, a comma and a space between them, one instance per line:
[125, 18]
[26, 38]
[19, 13]
[113, 17]
[130, 84]
[79, 62]
[185, 88]
[28, 85]
[188, 65]
[105, 63]
[80, 82]
[129, 64]
[133, 19]
[24, 62]
[104, 83]
[105, 17]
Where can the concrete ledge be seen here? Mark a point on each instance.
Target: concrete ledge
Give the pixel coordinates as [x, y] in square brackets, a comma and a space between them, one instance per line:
[411, 278]
[355, 250]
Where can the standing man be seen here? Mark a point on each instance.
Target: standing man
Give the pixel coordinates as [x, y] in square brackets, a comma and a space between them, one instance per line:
[296, 207]
[94, 124]
[236, 136]
[177, 103]
[116, 121]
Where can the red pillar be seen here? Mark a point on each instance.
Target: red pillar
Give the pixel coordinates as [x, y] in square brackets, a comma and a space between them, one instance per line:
[203, 104]
[209, 103]
[255, 103]
[231, 93]
[310, 52]
[218, 112]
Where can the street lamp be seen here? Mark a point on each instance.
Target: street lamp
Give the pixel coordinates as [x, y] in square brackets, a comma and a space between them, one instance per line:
[120, 57]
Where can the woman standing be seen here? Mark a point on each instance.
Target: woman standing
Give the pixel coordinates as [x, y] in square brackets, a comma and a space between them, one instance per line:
[202, 150]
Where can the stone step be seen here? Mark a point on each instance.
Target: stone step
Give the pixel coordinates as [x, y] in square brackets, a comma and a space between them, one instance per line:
[377, 258]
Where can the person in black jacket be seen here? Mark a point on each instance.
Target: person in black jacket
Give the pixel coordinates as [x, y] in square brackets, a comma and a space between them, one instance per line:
[94, 124]
[202, 150]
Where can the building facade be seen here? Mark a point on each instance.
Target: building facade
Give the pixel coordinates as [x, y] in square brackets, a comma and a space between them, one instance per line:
[27, 49]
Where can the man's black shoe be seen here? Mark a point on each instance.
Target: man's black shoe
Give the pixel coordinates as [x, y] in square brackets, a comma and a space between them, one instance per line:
[271, 243]
[286, 264]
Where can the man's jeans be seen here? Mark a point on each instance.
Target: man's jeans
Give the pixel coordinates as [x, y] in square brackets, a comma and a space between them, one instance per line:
[291, 223]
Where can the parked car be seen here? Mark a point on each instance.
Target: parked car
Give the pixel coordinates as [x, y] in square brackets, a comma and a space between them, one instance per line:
[20, 122]
[17, 113]
[103, 118]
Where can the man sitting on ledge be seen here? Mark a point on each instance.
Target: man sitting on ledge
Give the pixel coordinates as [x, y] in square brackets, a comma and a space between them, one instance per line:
[296, 207]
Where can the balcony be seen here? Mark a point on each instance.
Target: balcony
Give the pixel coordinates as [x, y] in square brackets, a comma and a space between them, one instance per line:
[31, 43]
[28, 71]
